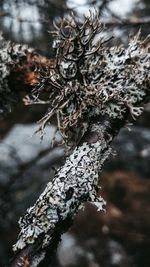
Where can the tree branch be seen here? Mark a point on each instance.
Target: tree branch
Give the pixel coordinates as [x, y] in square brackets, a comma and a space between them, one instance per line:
[92, 90]
[17, 72]
[74, 183]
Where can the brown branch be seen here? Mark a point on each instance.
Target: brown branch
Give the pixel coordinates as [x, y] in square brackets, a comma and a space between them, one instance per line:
[18, 65]
[128, 22]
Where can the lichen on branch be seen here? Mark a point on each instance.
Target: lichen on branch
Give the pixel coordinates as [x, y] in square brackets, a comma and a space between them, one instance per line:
[90, 79]
[91, 89]
[74, 183]
[11, 55]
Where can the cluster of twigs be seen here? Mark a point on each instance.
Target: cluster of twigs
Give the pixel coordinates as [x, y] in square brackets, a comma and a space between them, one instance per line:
[83, 81]
[91, 89]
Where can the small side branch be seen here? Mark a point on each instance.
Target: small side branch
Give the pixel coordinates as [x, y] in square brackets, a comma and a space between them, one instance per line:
[18, 65]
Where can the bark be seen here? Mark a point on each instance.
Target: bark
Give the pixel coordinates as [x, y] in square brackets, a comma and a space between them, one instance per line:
[107, 93]
[17, 72]
[74, 183]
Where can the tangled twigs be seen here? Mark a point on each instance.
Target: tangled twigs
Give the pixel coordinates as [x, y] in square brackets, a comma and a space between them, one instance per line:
[92, 89]
[88, 79]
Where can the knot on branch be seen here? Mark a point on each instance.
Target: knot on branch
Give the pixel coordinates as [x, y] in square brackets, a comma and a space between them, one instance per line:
[90, 79]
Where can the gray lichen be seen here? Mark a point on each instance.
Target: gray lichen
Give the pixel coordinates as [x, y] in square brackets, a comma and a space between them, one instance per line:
[89, 78]
[10, 55]
[74, 183]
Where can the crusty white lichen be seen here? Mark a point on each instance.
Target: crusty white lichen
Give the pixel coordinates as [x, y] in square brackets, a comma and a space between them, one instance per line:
[74, 183]
[37, 259]
[10, 55]
[89, 78]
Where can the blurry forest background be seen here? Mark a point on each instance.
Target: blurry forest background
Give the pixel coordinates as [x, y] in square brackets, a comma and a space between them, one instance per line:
[121, 237]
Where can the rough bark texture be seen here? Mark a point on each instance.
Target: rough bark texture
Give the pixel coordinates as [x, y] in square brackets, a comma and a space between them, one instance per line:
[105, 86]
[17, 72]
[75, 182]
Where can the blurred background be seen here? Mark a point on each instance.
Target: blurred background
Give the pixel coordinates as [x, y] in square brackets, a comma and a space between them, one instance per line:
[121, 236]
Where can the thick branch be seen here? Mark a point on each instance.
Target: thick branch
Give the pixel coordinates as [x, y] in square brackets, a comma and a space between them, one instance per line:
[74, 183]
[90, 86]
